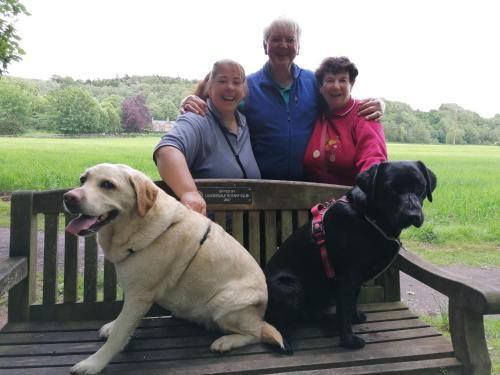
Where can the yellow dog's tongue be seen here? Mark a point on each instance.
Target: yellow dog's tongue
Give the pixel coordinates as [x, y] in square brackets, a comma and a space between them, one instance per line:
[82, 222]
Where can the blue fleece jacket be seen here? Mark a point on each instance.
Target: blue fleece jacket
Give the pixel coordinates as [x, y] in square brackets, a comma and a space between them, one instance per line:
[280, 131]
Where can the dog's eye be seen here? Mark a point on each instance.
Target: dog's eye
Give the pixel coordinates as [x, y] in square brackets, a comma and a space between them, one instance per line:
[107, 185]
[82, 180]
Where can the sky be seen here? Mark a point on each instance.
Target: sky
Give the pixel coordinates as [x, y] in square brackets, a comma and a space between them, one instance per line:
[420, 52]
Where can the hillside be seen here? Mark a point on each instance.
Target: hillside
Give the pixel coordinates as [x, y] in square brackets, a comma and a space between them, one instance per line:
[97, 106]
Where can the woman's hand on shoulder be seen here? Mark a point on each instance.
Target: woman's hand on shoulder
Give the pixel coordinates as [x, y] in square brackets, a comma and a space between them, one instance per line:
[194, 104]
[372, 109]
[194, 201]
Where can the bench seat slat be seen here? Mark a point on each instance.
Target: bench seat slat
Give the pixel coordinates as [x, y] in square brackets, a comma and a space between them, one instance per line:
[190, 329]
[318, 353]
[371, 309]
[307, 340]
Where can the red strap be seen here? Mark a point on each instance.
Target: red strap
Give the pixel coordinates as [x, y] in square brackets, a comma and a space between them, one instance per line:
[318, 233]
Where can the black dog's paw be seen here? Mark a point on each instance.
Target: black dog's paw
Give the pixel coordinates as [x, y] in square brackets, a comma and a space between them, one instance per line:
[359, 317]
[287, 348]
[352, 342]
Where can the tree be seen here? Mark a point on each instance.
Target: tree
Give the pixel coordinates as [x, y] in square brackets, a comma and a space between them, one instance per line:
[40, 112]
[135, 114]
[9, 40]
[75, 111]
[111, 110]
[164, 109]
[15, 109]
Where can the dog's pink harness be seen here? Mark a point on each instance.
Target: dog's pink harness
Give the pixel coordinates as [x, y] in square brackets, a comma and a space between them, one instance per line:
[318, 232]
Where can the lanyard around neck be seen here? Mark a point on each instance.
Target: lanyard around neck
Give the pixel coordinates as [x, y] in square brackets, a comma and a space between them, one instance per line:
[236, 156]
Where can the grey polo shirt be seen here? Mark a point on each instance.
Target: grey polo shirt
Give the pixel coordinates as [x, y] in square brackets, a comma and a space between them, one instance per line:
[207, 152]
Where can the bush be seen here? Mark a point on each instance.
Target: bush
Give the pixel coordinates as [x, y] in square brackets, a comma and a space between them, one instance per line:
[75, 111]
[15, 109]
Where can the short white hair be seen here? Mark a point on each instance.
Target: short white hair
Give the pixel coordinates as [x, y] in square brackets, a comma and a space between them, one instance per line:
[282, 22]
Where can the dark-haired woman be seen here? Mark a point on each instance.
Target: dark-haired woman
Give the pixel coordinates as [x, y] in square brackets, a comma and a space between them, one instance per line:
[342, 143]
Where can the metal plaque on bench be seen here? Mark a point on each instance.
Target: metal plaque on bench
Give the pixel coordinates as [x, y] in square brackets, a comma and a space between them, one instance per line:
[236, 195]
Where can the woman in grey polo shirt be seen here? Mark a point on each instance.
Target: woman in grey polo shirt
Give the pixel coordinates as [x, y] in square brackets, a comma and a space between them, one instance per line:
[212, 146]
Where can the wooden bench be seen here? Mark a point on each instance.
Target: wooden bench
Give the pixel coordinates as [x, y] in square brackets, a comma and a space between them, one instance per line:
[56, 308]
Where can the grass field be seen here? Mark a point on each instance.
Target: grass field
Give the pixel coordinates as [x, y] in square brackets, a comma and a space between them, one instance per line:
[48, 163]
[461, 224]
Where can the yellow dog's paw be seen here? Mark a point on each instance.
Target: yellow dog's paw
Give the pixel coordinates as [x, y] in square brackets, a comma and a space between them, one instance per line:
[87, 366]
[222, 344]
[228, 342]
[105, 330]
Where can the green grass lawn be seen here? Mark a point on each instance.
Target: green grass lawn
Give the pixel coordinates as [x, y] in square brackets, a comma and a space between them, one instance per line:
[461, 225]
[49, 163]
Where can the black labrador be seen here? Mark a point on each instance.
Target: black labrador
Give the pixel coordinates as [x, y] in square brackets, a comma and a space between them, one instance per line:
[361, 239]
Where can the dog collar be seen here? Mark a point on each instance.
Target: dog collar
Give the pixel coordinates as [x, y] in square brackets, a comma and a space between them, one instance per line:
[381, 231]
[318, 233]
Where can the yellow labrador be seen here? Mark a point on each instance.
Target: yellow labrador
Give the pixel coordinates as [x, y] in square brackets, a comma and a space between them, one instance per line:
[166, 253]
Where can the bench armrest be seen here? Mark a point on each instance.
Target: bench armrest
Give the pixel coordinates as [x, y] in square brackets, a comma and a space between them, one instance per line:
[467, 294]
[468, 302]
[12, 271]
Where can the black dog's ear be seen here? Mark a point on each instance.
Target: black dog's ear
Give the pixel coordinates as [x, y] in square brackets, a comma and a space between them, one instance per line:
[367, 180]
[430, 179]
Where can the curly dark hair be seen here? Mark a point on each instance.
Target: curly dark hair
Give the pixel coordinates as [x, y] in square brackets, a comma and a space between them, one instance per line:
[335, 65]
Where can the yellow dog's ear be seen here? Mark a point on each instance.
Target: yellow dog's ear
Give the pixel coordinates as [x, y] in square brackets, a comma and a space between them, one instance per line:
[145, 191]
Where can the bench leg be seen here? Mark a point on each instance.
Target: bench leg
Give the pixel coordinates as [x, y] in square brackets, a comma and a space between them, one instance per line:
[469, 343]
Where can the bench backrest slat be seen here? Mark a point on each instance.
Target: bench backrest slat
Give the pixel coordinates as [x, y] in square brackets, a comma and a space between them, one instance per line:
[90, 270]
[237, 226]
[70, 264]
[23, 244]
[254, 235]
[271, 241]
[302, 217]
[50, 258]
[109, 284]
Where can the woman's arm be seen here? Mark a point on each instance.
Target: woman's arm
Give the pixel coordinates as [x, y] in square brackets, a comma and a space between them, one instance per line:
[174, 170]
[370, 144]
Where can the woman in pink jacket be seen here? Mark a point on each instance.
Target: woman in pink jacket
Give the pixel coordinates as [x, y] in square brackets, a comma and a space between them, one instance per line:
[342, 143]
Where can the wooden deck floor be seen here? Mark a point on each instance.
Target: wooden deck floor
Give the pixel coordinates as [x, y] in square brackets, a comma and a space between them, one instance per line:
[397, 343]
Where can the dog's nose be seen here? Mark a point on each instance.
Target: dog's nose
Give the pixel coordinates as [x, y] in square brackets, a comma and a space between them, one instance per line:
[72, 200]
[71, 197]
[416, 219]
